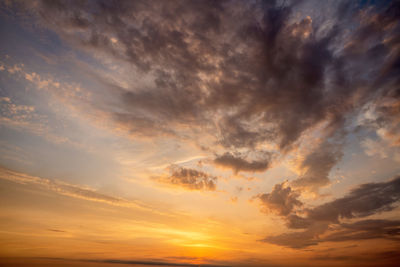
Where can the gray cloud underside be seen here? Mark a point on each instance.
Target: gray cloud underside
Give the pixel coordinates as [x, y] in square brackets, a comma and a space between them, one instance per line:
[365, 200]
[281, 200]
[245, 72]
[239, 163]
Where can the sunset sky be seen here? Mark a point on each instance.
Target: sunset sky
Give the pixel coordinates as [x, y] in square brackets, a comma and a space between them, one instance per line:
[187, 133]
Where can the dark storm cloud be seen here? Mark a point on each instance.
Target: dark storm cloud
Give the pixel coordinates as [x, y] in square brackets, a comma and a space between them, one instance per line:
[365, 200]
[189, 178]
[247, 73]
[237, 163]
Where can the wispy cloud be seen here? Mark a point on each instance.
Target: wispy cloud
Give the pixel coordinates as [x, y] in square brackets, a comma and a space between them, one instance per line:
[66, 189]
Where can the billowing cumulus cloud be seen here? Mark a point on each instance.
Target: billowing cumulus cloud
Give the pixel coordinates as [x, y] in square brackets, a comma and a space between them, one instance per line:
[189, 178]
[365, 200]
[281, 200]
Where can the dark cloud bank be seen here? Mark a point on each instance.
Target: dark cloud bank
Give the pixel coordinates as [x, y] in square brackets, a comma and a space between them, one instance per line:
[246, 72]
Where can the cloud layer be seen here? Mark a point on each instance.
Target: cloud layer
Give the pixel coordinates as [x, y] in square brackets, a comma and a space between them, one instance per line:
[246, 74]
[365, 200]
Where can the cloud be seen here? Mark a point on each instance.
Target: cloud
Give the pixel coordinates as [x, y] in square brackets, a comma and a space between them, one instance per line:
[378, 258]
[361, 230]
[189, 178]
[133, 262]
[56, 230]
[238, 164]
[365, 200]
[298, 240]
[366, 229]
[281, 200]
[23, 116]
[294, 221]
[373, 147]
[382, 117]
[247, 74]
[317, 165]
[65, 189]
[35, 119]
[152, 263]
[389, 113]
[27, 118]
[250, 75]
[278, 76]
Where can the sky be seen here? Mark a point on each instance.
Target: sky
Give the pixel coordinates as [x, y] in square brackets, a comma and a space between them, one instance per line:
[199, 133]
